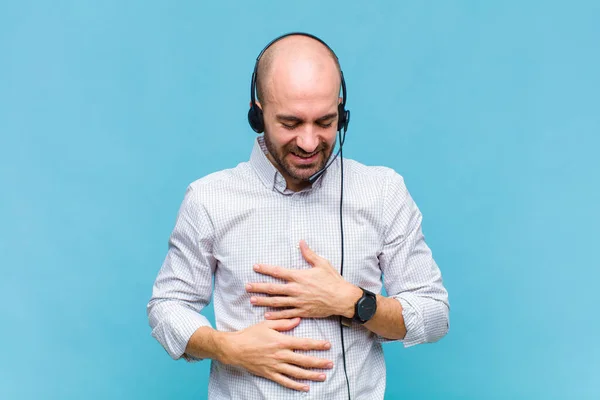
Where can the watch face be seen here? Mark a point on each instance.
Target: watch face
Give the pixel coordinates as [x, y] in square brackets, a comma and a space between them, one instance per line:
[367, 308]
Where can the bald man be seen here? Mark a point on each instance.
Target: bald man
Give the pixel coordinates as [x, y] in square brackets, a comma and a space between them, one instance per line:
[270, 239]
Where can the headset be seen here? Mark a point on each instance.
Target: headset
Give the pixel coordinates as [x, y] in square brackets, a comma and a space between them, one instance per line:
[255, 114]
[257, 123]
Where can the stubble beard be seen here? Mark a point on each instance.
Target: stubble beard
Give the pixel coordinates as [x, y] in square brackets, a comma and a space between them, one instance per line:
[300, 173]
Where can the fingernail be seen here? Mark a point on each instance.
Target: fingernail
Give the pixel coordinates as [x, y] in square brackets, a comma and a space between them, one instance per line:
[322, 377]
[248, 287]
[252, 299]
[256, 267]
[305, 388]
[330, 365]
[268, 315]
[327, 345]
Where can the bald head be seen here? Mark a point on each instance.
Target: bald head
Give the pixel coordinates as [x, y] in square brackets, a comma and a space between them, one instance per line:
[297, 60]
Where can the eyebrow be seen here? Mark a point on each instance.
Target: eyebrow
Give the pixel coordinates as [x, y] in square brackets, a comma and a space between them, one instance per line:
[288, 118]
[327, 117]
[293, 118]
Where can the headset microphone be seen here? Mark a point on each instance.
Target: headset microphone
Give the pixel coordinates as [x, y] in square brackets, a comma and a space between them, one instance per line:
[313, 178]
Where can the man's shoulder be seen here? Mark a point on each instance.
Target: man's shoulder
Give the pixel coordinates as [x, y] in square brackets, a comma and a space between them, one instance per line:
[376, 174]
[222, 179]
[377, 184]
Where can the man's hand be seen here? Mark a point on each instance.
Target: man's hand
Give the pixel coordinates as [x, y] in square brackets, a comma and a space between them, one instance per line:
[262, 350]
[318, 292]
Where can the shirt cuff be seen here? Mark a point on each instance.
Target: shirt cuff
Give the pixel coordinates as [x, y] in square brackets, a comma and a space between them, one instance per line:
[413, 320]
[176, 329]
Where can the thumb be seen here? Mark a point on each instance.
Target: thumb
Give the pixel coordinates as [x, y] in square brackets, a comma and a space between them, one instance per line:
[282, 325]
[308, 254]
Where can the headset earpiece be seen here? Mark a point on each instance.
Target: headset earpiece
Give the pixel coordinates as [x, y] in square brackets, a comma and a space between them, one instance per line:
[343, 117]
[255, 118]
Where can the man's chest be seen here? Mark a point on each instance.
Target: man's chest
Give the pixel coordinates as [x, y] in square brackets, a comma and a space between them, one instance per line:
[268, 231]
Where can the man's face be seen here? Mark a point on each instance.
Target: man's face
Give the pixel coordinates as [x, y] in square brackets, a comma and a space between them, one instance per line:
[300, 127]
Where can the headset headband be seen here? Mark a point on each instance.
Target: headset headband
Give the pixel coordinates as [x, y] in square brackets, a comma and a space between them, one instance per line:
[255, 72]
[255, 117]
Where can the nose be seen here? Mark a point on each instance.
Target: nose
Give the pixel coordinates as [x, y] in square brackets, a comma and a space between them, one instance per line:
[307, 139]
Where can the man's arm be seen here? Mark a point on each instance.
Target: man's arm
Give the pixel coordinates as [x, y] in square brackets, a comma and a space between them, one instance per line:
[411, 276]
[183, 286]
[417, 308]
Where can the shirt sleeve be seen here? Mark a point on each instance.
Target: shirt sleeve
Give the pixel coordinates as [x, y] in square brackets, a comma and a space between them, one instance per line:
[410, 273]
[183, 286]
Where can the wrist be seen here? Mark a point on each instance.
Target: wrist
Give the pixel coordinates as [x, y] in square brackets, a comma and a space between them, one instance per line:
[351, 295]
[223, 347]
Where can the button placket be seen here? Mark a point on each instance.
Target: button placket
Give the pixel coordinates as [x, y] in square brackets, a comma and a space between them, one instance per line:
[299, 228]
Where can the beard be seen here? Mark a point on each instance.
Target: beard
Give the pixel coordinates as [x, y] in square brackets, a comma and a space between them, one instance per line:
[300, 172]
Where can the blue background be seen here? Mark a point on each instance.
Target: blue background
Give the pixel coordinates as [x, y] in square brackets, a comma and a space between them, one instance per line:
[490, 110]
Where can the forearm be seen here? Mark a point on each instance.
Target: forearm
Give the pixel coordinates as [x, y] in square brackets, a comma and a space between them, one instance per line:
[387, 322]
[424, 320]
[206, 342]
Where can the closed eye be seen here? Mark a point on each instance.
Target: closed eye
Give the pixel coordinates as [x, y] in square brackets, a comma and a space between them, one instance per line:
[290, 127]
[327, 120]
[291, 122]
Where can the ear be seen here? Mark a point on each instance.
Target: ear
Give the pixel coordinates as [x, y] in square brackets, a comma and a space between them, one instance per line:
[257, 103]
[340, 100]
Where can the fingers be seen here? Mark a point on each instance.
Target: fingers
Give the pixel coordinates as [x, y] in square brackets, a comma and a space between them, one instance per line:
[308, 344]
[273, 301]
[305, 361]
[301, 373]
[285, 314]
[282, 325]
[294, 343]
[289, 383]
[270, 288]
[308, 254]
[275, 271]
[294, 365]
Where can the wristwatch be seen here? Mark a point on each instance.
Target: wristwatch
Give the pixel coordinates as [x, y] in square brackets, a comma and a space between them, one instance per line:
[365, 307]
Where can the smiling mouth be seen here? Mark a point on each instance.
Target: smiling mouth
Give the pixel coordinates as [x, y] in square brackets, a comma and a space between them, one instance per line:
[305, 159]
